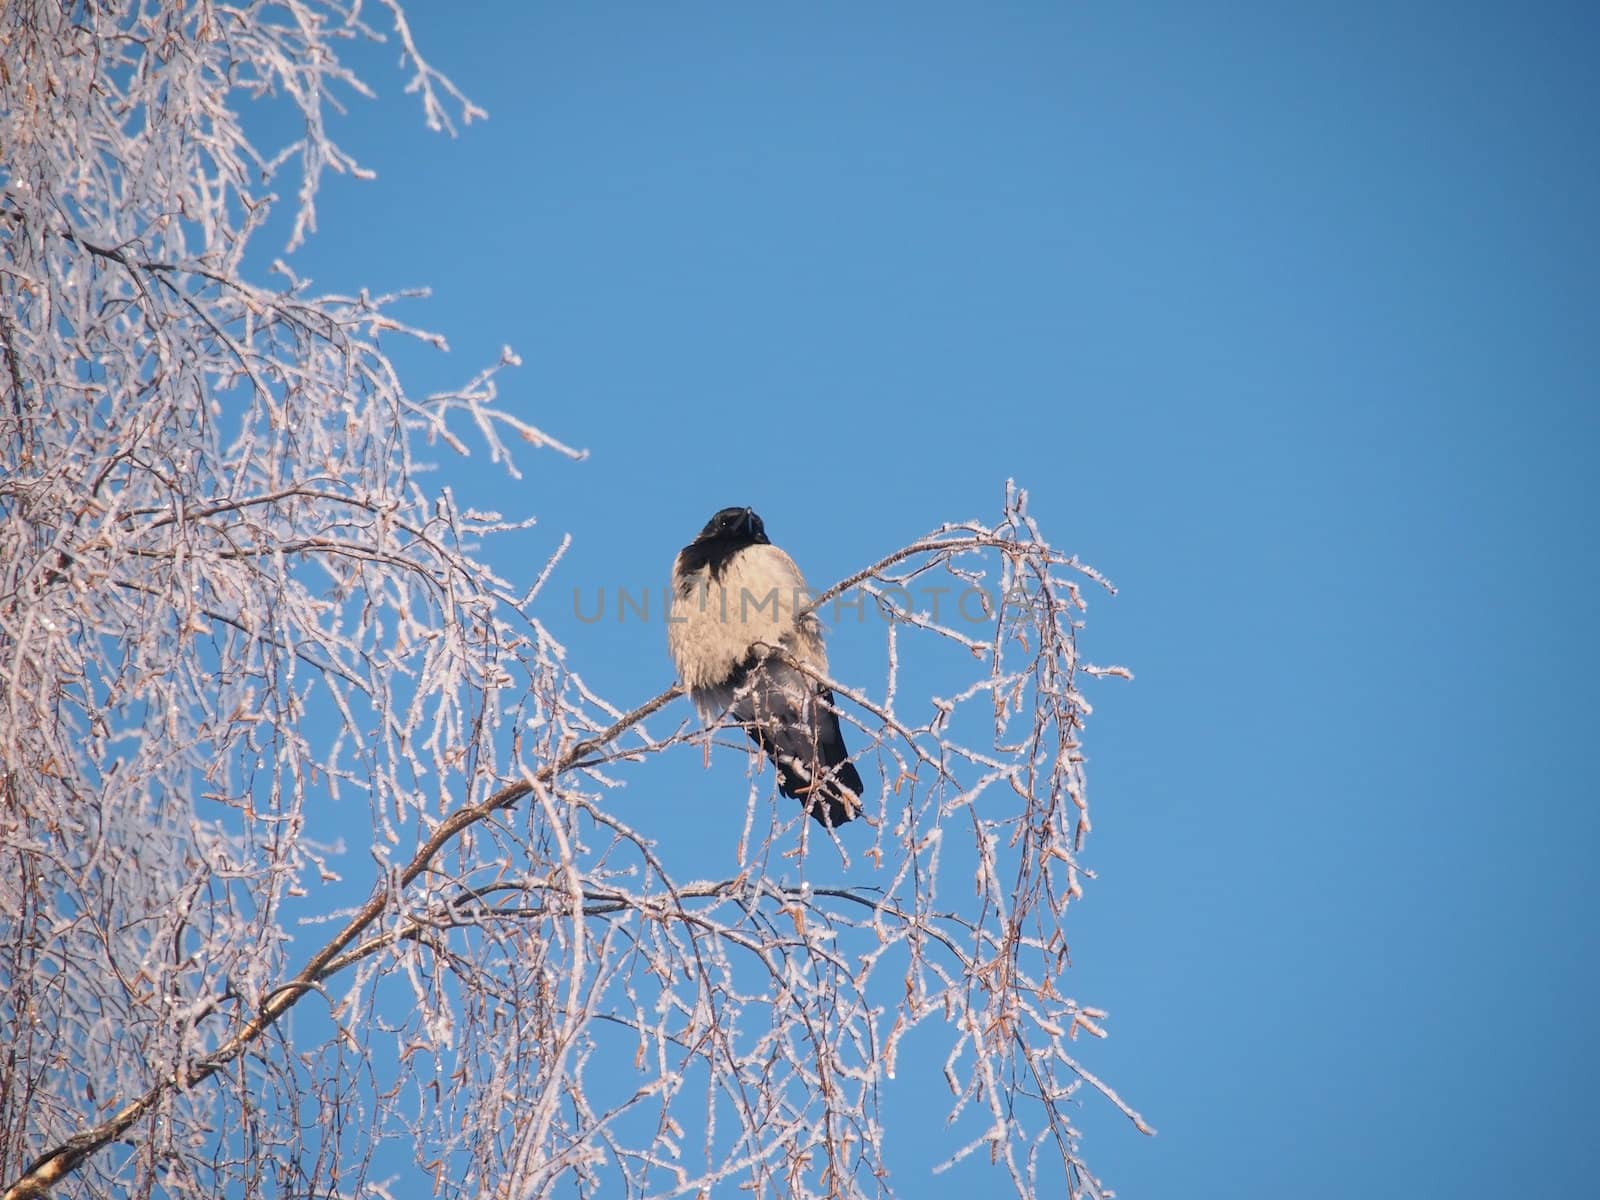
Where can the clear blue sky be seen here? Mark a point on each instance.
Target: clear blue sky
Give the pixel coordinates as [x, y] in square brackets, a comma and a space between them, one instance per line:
[1286, 316]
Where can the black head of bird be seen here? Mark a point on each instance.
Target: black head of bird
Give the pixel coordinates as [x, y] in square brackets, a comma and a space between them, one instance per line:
[736, 525]
[727, 533]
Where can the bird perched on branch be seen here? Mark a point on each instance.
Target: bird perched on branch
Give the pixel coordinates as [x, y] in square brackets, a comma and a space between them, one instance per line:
[744, 653]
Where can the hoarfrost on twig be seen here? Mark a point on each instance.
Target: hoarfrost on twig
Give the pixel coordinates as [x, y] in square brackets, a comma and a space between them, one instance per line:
[228, 602]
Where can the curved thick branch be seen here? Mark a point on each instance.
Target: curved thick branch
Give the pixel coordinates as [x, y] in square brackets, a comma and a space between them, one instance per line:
[57, 1163]
[355, 940]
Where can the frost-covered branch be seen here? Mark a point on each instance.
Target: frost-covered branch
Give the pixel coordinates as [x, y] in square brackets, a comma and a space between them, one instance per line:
[61, 1160]
[238, 618]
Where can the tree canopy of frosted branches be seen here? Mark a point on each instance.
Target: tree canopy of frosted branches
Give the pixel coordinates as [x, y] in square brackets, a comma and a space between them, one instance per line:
[228, 600]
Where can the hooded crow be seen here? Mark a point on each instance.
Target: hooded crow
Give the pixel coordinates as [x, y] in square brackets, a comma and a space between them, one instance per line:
[735, 597]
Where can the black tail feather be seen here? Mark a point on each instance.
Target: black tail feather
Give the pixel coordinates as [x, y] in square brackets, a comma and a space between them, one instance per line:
[804, 742]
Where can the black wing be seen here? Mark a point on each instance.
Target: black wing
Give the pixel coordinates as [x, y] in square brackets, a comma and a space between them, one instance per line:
[792, 719]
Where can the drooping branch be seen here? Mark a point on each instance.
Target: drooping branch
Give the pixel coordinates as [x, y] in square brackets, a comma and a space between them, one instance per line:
[228, 594]
[51, 1167]
[342, 951]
